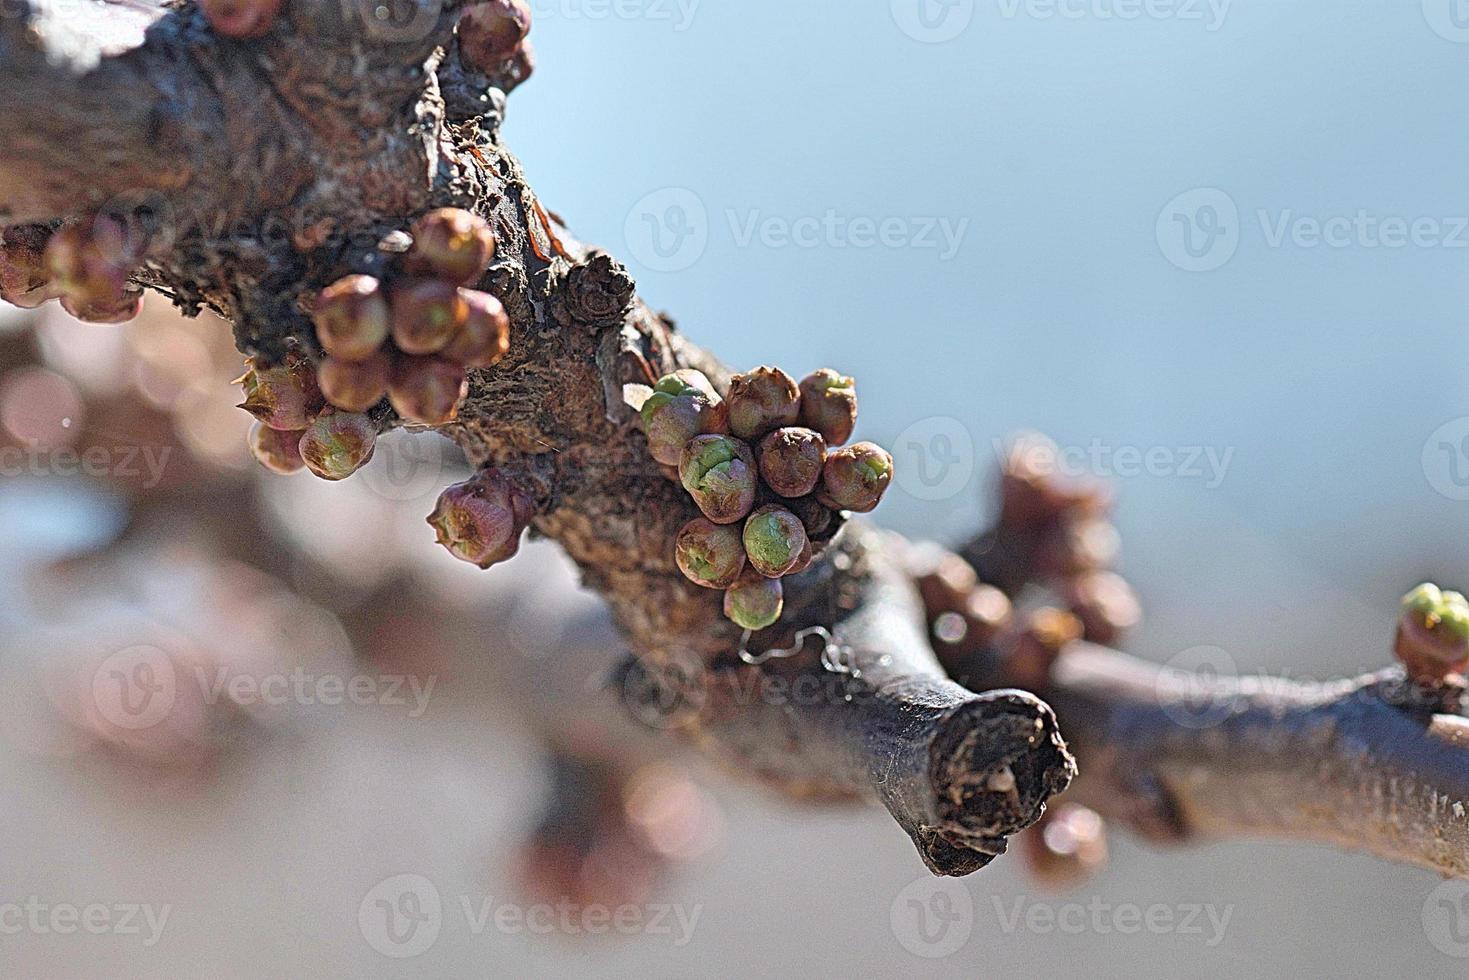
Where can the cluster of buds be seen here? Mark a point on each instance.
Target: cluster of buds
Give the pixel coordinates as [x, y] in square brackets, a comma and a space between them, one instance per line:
[761, 466]
[295, 428]
[412, 340]
[1433, 635]
[83, 264]
[1057, 531]
[481, 521]
[494, 40]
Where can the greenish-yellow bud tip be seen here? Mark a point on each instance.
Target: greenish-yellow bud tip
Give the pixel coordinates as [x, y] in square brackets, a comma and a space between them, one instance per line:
[769, 541]
[1439, 608]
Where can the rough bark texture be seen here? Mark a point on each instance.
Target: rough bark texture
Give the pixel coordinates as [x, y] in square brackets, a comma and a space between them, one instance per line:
[254, 173]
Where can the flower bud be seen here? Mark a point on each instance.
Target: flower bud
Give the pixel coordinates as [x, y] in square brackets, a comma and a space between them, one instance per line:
[25, 279]
[352, 318]
[490, 32]
[485, 336]
[791, 460]
[426, 389]
[754, 601]
[719, 473]
[816, 517]
[85, 263]
[774, 539]
[337, 444]
[709, 554]
[451, 244]
[285, 396]
[240, 19]
[426, 315]
[1433, 634]
[354, 386]
[676, 411]
[120, 310]
[1105, 604]
[829, 405]
[855, 477]
[760, 400]
[481, 521]
[275, 449]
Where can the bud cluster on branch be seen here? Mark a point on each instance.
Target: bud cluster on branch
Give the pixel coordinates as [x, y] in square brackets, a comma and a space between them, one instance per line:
[760, 467]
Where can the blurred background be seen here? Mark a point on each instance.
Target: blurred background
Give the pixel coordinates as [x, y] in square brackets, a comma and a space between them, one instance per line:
[1216, 249]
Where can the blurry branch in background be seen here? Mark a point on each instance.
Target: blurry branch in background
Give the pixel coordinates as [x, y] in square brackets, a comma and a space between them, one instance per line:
[1377, 763]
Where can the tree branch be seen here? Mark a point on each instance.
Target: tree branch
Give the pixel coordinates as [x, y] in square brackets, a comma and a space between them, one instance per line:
[270, 168]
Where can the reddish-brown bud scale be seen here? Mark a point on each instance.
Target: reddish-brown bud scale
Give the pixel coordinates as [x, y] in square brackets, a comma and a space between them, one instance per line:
[481, 521]
[451, 244]
[855, 477]
[85, 261]
[803, 560]
[760, 400]
[829, 405]
[754, 601]
[485, 336]
[276, 450]
[815, 516]
[126, 307]
[426, 389]
[719, 473]
[774, 539]
[709, 554]
[285, 396]
[25, 279]
[352, 318]
[426, 315]
[791, 459]
[242, 20]
[491, 32]
[354, 386]
[337, 444]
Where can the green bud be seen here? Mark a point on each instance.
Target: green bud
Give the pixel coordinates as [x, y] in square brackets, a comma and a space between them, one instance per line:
[1425, 599]
[709, 554]
[774, 539]
[676, 412]
[482, 521]
[855, 477]
[754, 602]
[337, 444]
[719, 473]
[829, 405]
